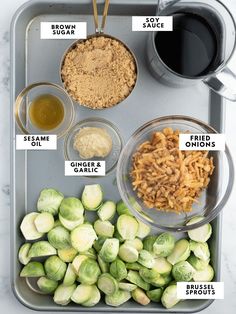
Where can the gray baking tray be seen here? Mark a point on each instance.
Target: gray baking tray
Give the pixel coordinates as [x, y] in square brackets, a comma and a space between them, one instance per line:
[39, 60]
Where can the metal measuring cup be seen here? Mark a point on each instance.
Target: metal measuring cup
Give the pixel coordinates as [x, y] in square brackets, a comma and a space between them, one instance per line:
[99, 31]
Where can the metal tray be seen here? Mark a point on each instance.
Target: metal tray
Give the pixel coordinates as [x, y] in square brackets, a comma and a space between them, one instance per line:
[38, 60]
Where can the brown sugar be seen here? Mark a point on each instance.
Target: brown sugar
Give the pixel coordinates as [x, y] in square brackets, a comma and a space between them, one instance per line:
[99, 72]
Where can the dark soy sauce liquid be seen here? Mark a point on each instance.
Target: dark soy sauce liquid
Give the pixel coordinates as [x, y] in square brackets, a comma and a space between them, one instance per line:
[191, 48]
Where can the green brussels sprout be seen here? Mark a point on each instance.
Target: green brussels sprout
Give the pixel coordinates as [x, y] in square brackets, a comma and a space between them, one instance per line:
[90, 253]
[63, 294]
[69, 224]
[32, 269]
[121, 209]
[143, 230]
[127, 286]
[118, 298]
[146, 259]
[205, 275]
[103, 265]
[162, 266]
[140, 296]
[148, 243]
[200, 250]
[41, 248]
[70, 276]
[164, 244]
[118, 269]
[118, 236]
[197, 263]
[104, 228]
[83, 237]
[92, 197]
[128, 253]
[28, 228]
[82, 293]
[127, 227]
[149, 275]
[99, 243]
[89, 272]
[155, 295]
[107, 210]
[183, 271]
[49, 201]
[67, 255]
[23, 253]
[169, 297]
[47, 285]
[180, 253]
[59, 238]
[109, 250]
[136, 243]
[107, 284]
[94, 297]
[71, 209]
[57, 223]
[55, 268]
[201, 234]
[133, 266]
[78, 260]
[44, 222]
[135, 278]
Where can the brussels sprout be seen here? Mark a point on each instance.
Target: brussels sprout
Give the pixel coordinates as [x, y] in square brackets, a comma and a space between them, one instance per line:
[90, 253]
[107, 211]
[63, 294]
[83, 237]
[89, 272]
[109, 250]
[99, 243]
[136, 243]
[133, 266]
[143, 230]
[32, 269]
[128, 253]
[118, 236]
[201, 234]
[127, 286]
[148, 243]
[161, 281]
[47, 285]
[70, 276]
[197, 263]
[69, 224]
[146, 259]
[103, 265]
[121, 209]
[67, 255]
[155, 295]
[71, 209]
[92, 197]
[180, 253]
[104, 228]
[118, 298]
[28, 228]
[57, 223]
[94, 297]
[149, 275]
[82, 293]
[59, 237]
[207, 274]
[55, 268]
[162, 265]
[164, 244]
[41, 248]
[118, 269]
[200, 250]
[135, 278]
[78, 260]
[127, 227]
[107, 284]
[49, 201]
[140, 296]
[44, 222]
[169, 297]
[183, 271]
[23, 253]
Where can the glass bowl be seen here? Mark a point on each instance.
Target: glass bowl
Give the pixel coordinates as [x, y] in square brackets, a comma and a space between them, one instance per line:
[117, 143]
[212, 199]
[33, 91]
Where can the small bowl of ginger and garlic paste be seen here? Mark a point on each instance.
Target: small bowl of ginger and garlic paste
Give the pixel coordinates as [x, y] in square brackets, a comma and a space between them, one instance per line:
[44, 108]
[165, 187]
[94, 139]
[101, 71]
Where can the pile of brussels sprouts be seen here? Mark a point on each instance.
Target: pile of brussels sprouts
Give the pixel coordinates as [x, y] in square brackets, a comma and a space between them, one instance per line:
[119, 259]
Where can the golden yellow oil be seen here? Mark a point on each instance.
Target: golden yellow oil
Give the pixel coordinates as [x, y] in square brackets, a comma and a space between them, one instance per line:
[46, 112]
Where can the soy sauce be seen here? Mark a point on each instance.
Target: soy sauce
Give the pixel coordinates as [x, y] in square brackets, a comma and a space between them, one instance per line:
[191, 48]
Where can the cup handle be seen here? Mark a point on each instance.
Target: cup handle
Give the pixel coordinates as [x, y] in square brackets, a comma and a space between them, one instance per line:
[223, 83]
